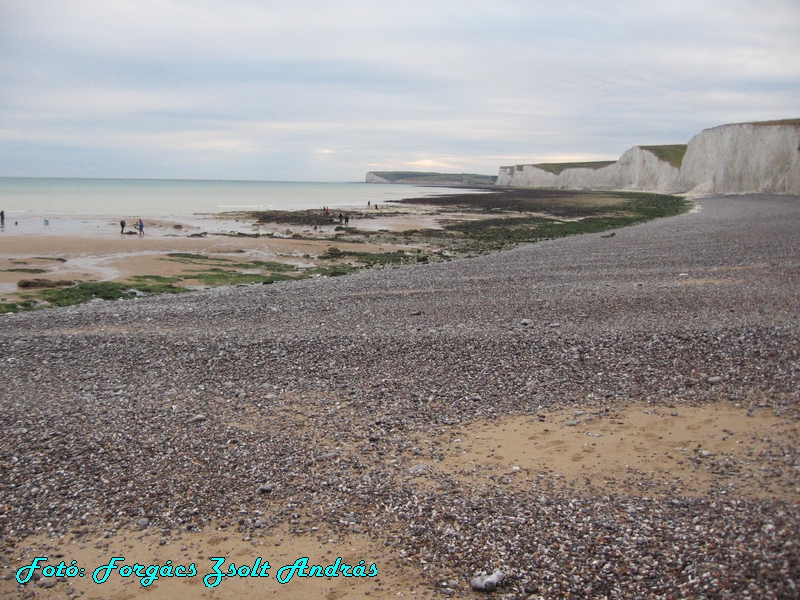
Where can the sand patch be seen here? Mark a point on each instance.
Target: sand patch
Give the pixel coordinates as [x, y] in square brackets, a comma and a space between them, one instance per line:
[93, 549]
[682, 450]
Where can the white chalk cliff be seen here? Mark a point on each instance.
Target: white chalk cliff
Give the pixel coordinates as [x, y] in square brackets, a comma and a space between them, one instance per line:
[729, 159]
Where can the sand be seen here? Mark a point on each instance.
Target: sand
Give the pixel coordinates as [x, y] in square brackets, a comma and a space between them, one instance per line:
[622, 450]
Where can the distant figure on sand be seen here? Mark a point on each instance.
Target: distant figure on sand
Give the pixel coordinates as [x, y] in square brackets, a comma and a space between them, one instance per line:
[2, 218]
[122, 226]
[141, 227]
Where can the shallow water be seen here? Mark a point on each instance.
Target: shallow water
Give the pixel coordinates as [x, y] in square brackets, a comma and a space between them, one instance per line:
[22, 197]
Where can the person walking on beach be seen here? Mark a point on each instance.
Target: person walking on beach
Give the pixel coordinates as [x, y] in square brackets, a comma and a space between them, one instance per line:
[141, 227]
[122, 226]
[2, 218]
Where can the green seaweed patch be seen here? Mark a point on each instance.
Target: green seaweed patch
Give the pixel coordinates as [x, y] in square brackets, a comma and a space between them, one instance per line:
[154, 279]
[15, 307]
[270, 266]
[332, 271]
[86, 291]
[367, 258]
[493, 234]
[25, 270]
[215, 277]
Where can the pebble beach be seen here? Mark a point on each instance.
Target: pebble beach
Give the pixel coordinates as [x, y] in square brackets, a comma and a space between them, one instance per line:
[596, 416]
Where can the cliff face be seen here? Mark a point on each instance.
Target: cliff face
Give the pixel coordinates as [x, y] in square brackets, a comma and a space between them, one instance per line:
[730, 159]
[637, 169]
[373, 178]
[741, 158]
[426, 178]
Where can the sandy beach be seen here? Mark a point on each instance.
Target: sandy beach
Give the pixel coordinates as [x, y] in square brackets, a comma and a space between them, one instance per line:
[94, 249]
[593, 416]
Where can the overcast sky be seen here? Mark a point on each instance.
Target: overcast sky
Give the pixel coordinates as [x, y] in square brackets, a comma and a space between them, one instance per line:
[327, 90]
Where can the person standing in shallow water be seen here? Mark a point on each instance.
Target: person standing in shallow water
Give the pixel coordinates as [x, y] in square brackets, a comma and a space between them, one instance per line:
[141, 227]
[122, 226]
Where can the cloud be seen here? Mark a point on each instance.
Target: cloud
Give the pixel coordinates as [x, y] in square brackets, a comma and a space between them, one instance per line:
[262, 86]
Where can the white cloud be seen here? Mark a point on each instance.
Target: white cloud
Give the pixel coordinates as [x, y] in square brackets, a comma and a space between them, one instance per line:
[342, 85]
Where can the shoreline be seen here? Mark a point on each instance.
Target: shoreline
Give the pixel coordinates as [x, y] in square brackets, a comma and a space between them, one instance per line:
[91, 258]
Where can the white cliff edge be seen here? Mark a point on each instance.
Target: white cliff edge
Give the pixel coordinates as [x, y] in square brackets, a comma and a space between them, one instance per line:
[729, 159]
[372, 178]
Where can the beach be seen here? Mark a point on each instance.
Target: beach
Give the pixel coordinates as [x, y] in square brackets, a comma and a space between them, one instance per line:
[95, 249]
[593, 416]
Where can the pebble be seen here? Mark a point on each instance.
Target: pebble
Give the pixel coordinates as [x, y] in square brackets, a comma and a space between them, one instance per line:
[419, 469]
[487, 583]
[378, 396]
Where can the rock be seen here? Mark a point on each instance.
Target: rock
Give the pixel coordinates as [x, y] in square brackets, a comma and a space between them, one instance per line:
[487, 583]
[197, 419]
[530, 588]
[713, 380]
[571, 423]
[419, 469]
[143, 523]
[526, 322]
[266, 488]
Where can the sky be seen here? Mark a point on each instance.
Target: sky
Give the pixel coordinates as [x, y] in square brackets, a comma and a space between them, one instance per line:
[326, 91]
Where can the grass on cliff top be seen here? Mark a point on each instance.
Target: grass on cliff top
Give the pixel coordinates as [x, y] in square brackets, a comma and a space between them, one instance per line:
[460, 179]
[671, 153]
[557, 168]
[775, 122]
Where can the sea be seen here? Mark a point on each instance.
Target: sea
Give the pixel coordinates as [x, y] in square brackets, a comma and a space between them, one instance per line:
[75, 206]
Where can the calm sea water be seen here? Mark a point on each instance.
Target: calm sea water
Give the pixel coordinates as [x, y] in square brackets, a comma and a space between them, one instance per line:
[154, 198]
